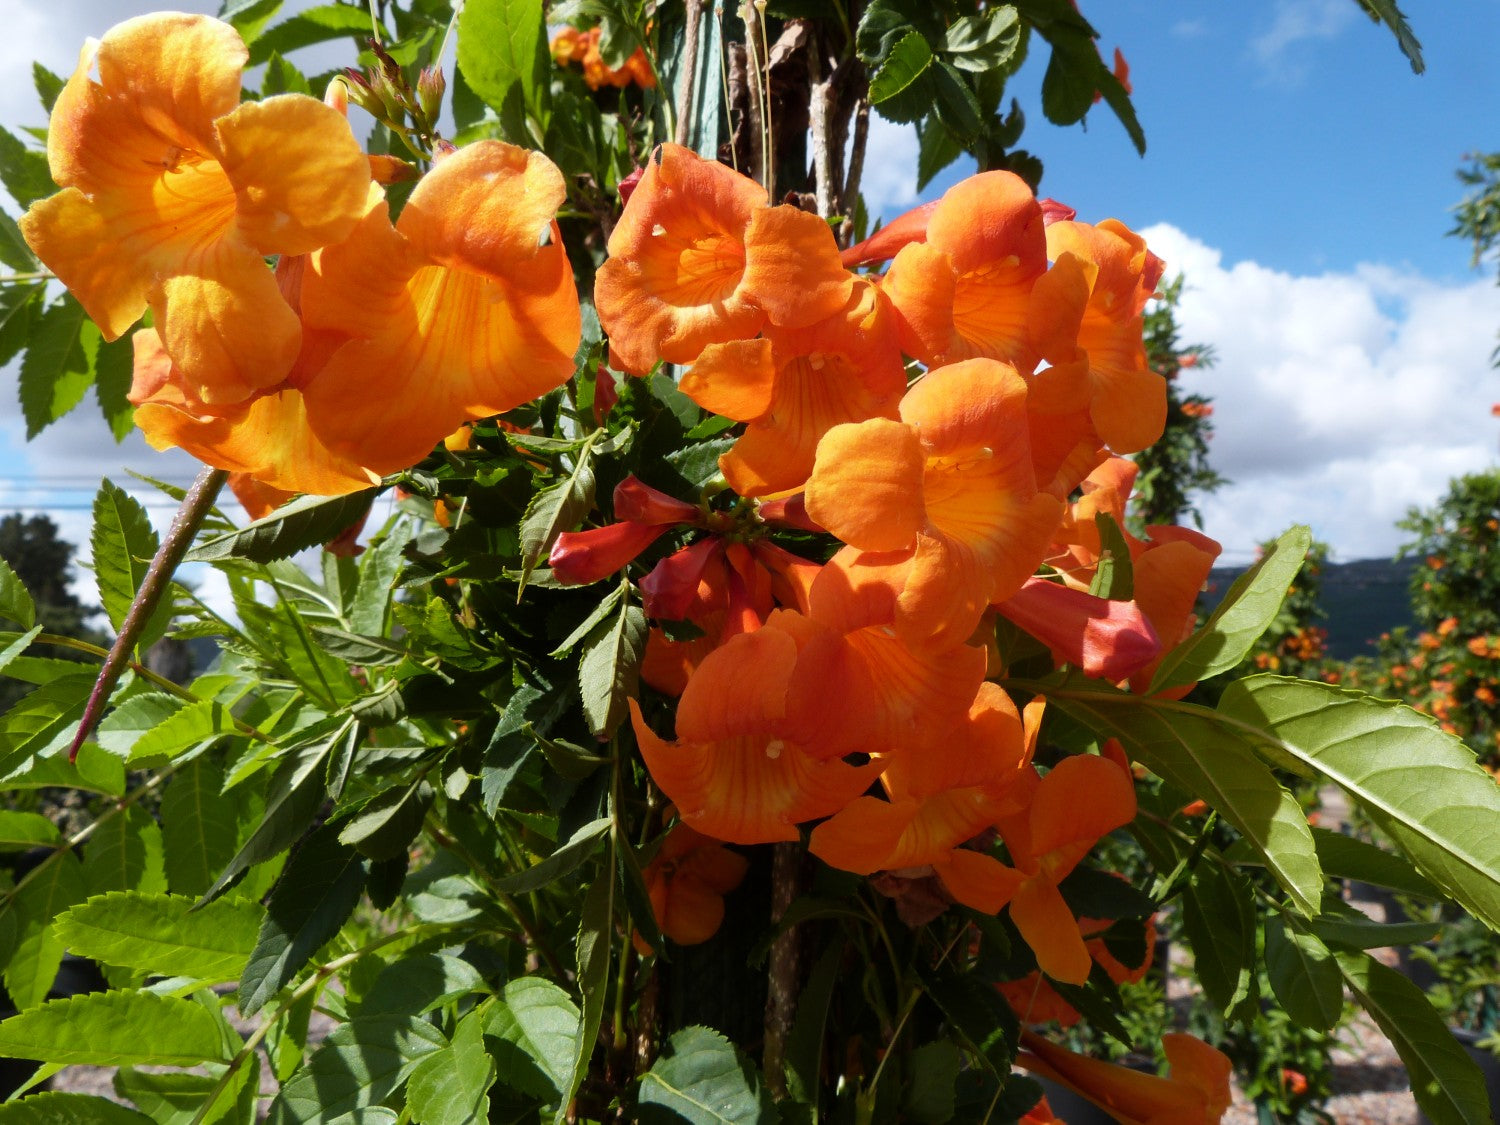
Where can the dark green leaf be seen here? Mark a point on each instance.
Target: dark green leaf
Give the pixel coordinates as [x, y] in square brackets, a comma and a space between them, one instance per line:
[55, 1108]
[124, 543]
[804, 1047]
[314, 897]
[1346, 857]
[23, 170]
[197, 825]
[113, 1029]
[702, 1078]
[56, 370]
[907, 61]
[314, 25]
[114, 368]
[609, 673]
[19, 307]
[596, 928]
[984, 1020]
[1386, 12]
[32, 965]
[163, 934]
[1448, 1086]
[385, 826]
[1303, 975]
[419, 983]
[1421, 786]
[1240, 619]
[984, 42]
[22, 831]
[175, 1098]
[360, 1064]
[568, 857]
[15, 602]
[1115, 578]
[283, 78]
[1219, 917]
[304, 522]
[18, 256]
[557, 507]
[929, 1096]
[1348, 928]
[48, 85]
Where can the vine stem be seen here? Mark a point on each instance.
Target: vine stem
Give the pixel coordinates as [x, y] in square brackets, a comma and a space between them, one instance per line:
[781, 998]
[196, 505]
[689, 71]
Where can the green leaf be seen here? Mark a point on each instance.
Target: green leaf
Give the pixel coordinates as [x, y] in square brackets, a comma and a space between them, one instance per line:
[12, 652]
[1240, 619]
[1346, 857]
[556, 508]
[451, 1086]
[1386, 12]
[124, 854]
[1115, 577]
[1218, 916]
[56, 370]
[595, 929]
[703, 1078]
[1447, 1083]
[283, 78]
[419, 983]
[1303, 975]
[248, 17]
[568, 857]
[55, 1108]
[304, 522]
[502, 51]
[163, 934]
[175, 1097]
[32, 965]
[360, 1064]
[317, 891]
[981, 1017]
[314, 25]
[1421, 787]
[23, 170]
[609, 673]
[539, 1023]
[15, 602]
[1212, 757]
[804, 1047]
[48, 85]
[18, 256]
[42, 722]
[22, 831]
[114, 368]
[292, 799]
[113, 1029]
[124, 543]
[1347, 927]
[385, 825]
[907, 61]
[17, 304]
[930, 1095]
[190, 726]
[198, 826]
[984, 43]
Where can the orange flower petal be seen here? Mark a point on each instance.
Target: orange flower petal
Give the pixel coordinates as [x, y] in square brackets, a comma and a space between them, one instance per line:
[1049, 927]
[792, 267]
[739, 689]
[977, 880]
[734, 379]
[866, 484]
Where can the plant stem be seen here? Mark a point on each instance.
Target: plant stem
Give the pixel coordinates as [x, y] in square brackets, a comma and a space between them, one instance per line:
[856, 165]
[781, 999]
[196, 505]
[688, 80]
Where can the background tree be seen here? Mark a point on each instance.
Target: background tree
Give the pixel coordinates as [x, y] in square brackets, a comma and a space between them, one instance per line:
[1176, 468]
[1478, 215]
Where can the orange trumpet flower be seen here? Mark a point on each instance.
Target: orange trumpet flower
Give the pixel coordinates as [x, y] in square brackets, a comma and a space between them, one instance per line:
[1195, 1093]
[686, 881]
[699, 258]
[173, 193]
[950, 487]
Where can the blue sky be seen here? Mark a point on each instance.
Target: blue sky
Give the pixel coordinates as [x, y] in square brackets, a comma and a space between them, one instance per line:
[1297, 172]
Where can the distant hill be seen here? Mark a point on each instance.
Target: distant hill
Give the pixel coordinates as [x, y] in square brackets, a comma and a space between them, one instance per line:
[1362, 599]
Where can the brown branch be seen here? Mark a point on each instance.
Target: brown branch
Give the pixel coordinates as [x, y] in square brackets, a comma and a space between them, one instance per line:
[755, 80]
[689, 71]
[820, 109]
[195, 507]
[781, 997]
[856, 167]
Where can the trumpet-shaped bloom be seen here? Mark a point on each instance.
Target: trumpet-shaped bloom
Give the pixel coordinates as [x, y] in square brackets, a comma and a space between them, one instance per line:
[687, 880]
[1195, 1093]
[795, 384]
[464, 309]
[737, 770]
[1107, 374]
[944, 790]
[951, 486]
[966, 288]
[173, 193]
[1106, 639]
[699, 258]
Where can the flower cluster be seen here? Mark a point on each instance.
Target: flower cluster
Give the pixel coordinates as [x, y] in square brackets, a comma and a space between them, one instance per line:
[582, 47]
[370, 341]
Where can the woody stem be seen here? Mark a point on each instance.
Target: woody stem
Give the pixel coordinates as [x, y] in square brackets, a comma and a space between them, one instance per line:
[195, 507]
[781, 999]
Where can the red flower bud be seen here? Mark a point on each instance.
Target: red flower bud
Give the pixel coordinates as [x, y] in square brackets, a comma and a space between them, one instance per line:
[580, 557]
[1105, 639]
[640, 503]
[668, 591]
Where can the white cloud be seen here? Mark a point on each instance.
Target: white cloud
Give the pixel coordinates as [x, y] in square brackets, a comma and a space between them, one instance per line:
[889, 179]
[1340, 399]
[1297, 21]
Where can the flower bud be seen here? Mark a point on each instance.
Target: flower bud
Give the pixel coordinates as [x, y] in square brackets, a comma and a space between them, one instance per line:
[580, 557]
[430, 88]
[1105, 639]
[643, 504]
[668, 591]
